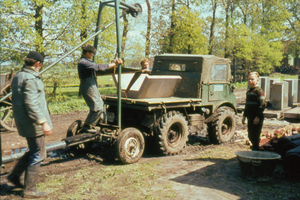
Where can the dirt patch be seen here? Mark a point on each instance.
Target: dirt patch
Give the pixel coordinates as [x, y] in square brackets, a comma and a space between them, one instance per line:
[11, 141]
[201, 171]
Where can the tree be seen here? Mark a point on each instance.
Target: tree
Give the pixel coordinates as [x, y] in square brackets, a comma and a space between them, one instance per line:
[148, 34]
[292, 32]
[212, 26]
[185, 35]
[49, 26]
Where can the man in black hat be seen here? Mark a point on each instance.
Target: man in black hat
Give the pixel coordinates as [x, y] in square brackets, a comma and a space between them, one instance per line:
[33, 122]
[88, 86]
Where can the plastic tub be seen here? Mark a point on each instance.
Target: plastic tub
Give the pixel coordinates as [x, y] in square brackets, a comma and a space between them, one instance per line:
[257, 163]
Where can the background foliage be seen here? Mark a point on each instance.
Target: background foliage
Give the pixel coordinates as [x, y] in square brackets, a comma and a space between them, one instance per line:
[255, 35]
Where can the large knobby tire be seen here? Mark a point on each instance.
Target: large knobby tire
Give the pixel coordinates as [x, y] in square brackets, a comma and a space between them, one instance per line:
[74, 129]
[172, 133]
[222, 127]
[130, 145]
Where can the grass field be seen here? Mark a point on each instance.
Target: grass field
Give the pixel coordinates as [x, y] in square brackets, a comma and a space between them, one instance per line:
[67, 99]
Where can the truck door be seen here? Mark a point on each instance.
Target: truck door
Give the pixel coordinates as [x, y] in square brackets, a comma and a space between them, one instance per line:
[218, 84]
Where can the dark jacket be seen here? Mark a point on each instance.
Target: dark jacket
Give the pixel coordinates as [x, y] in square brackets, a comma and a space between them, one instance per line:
[87, 69]
[255, 103]
[88, 83]
[29, 103]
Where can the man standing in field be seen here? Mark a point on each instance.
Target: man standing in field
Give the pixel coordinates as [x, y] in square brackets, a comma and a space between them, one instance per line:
[89, 88]
[33, 122]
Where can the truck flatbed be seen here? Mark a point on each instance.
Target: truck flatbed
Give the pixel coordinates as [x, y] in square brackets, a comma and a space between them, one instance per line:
[154, 103]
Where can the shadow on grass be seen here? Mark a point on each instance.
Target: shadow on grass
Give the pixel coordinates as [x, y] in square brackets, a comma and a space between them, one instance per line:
[10, 192]
[224, 175]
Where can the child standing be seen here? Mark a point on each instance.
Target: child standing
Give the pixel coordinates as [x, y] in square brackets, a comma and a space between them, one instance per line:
[254, 108]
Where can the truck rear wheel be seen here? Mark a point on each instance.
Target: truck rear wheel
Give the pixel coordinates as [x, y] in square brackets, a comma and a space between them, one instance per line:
[130, 145]
[173, 133]
[222, 127]
[74, 129]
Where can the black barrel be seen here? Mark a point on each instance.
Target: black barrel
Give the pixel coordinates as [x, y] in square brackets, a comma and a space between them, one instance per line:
[291, 162]
[285, 144]
[0, 152]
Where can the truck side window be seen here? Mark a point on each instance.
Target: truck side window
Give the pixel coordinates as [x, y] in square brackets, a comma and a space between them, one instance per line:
[177, 67]
[218, 73]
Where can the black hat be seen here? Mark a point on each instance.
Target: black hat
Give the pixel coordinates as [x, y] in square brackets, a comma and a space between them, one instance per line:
[36, 56]
[89, 48]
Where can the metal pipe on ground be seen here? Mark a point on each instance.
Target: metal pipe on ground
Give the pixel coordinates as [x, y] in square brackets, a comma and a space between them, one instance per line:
[51, 147]
[67, 142]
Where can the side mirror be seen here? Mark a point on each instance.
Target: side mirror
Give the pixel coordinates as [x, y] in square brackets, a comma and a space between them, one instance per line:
[232, 88]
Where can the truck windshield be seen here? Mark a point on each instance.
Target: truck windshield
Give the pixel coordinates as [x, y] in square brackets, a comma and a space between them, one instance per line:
[177, 67]
[218, 73]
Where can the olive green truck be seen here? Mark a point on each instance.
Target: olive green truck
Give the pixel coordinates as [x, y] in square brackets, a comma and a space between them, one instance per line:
[184, 95]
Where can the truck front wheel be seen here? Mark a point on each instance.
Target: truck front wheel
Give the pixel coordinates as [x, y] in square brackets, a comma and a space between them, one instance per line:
[130, 145]
[222, 127]
[172, 133]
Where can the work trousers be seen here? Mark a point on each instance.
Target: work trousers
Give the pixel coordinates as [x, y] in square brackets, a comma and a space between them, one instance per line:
[92, 97]
[35, 155]
[254, 131]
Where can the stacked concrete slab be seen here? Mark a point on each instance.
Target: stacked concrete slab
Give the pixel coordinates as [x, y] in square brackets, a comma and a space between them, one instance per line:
[292, 91]
[279, 95]
[148, 86]
[274, 80]
[298, 91]
[264, 83]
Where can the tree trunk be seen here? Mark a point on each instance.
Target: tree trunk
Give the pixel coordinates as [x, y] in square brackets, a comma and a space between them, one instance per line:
[226, 51]
[83, 33]
[212, 26]
[147, 49]
[39, 27]
[171, 33]
[124, 34]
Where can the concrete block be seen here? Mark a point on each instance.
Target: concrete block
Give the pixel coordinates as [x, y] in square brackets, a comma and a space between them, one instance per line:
[298, 90]
[264, 83]
[149, 86]
[279, 96]
[273, 80]
[293, 91]
[292, 113]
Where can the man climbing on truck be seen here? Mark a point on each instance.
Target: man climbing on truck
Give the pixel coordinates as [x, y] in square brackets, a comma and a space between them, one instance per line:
[89, 88]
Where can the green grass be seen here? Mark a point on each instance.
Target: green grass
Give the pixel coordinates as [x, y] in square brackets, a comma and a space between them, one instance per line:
[66, 98]
[241, 85]
[283, 76]
[73, 80]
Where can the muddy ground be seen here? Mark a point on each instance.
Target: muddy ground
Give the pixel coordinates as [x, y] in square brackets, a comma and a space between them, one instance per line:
[202, 171]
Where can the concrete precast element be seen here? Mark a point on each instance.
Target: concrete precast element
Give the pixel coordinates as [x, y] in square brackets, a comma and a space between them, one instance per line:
[264, 82]
[293, 91]
[149, 86]
[273, 80]
[298, 90]
[279, 95]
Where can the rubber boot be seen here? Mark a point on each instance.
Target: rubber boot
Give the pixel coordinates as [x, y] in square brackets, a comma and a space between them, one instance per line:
[31, 176]
[20, 167]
